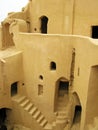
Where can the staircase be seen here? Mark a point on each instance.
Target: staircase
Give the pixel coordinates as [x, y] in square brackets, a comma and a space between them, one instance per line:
[62, 117]
[62, 113]
[62, 102]
[32, 110]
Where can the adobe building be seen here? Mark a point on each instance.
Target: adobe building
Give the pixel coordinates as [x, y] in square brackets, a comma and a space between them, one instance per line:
[49, 66]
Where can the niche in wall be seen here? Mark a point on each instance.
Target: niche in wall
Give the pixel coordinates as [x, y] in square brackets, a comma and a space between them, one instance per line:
[53, 65]
[40, 89]
[40, 77]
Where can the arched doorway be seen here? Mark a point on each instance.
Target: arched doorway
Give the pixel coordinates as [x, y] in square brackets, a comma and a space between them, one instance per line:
[61, 92]
[4, 117]
[77, 111]
[77, 114]
[44, 22]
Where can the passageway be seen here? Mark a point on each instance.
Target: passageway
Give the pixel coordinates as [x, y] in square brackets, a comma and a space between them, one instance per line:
[77, 114]
[3, 119]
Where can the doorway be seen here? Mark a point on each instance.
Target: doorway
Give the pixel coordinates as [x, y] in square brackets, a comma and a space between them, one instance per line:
[44, 22]
[14, 88]
[77, 114]
[2, 116]
[63, 88]
[61, 93]
[76, 111]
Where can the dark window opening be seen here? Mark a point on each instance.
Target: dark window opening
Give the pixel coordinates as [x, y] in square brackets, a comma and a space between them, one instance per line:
[41, 77]
[63, 88]
[44, 22]
[53, 66]
[14, 88]
[77, 114]
[95, 32]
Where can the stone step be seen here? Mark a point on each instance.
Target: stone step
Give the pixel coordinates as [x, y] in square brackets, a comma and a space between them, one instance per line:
[21, 99]
[62, 113]
[37, 114]
[43, 123]
[61, 104]
[29, 107]
[25, 103]
[41, 117]
[61, 108]
[61, 117]
[33, 110]
[63, 98]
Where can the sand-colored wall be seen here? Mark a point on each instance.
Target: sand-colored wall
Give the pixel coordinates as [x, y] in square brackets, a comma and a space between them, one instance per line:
[59, 15]
[65, 17]
[38, 52]
[0, 37]
[85, 51]
[10, 71]
[85, 16]
[41, 50]
[92, 103]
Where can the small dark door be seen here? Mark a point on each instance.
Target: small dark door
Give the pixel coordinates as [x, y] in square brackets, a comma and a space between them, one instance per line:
[44, 22]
